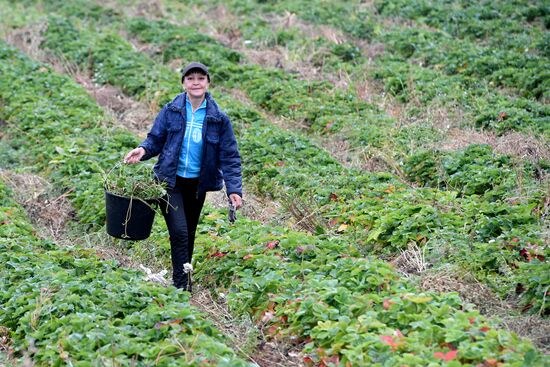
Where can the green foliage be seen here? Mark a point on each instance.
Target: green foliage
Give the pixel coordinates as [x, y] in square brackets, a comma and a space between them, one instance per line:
[278, 162]
[534, 281]
[477, 170]
[472, 20]
[66, 306]
[352, 306]
[512, 68]
[344, 307]
[14, 224]
[429, 65]
[133, 181]
[184, 43]
[317, 104]
[424, 168]
[111, 60]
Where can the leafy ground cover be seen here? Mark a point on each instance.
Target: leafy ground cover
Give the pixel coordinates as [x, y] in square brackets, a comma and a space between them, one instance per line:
[65, 306]
[345, 308]
[344, 294]
[355, 201]
[374, 345]
[424, 65]
[317, 105]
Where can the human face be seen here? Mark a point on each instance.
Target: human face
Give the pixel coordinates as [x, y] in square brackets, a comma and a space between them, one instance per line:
[196, 85]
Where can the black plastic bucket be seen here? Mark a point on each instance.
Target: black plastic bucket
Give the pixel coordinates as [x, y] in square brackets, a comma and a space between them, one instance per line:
[128, 218]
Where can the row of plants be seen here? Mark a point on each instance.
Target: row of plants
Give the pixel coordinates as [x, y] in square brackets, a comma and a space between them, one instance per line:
[518, 70]
[312, 102]
[63, 130]
[290, 97]
[441, 57]
[377, 345]
[477, 173]
[506, 24]
[66, 306]
[343, 308]
[498, 21]
[277, 162]
[317, 105]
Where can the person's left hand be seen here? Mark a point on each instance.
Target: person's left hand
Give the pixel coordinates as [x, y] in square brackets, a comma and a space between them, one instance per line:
[236, 200]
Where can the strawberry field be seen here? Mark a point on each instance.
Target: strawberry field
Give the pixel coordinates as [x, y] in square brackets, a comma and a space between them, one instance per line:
[396, 163]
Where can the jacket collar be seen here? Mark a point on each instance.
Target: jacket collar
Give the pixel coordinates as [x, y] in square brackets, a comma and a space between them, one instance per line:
[212, 109]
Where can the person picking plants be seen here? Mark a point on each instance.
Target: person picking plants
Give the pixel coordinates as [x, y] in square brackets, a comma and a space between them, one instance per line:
[197, 152]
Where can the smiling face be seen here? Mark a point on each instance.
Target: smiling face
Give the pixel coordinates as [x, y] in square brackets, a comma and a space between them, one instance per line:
[196, 84]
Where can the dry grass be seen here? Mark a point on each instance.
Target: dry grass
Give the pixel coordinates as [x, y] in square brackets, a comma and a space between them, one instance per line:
[106, 248]
[305, 214]
[28, 40]
[255, 208]
[50, 213]
[411, 261]
[519, 145]
[47, 210]
[465, 284]
[6, 346]
[535, 328]
[149, 9]
[244, 336]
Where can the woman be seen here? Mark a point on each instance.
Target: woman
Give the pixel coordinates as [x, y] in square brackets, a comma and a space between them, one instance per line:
[197, 151]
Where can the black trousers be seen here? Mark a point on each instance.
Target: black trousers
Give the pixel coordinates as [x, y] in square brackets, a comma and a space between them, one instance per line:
[181, 213]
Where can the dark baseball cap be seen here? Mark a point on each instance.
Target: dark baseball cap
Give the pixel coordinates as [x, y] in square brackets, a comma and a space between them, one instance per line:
[194, 66]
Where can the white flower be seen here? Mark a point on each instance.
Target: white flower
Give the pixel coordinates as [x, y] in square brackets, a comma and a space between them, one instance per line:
[187, 268]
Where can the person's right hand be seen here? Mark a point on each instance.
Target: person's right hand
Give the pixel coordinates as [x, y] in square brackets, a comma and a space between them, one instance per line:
[134, 155]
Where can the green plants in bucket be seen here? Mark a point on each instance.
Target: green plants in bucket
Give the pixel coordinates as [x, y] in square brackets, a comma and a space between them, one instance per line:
[131, 197]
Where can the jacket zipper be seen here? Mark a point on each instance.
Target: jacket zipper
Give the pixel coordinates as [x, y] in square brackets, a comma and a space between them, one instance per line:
[184, 126]
[188, 141]
[203, 133]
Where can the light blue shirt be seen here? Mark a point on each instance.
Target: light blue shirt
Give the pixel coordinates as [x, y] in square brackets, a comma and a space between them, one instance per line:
[189, 165]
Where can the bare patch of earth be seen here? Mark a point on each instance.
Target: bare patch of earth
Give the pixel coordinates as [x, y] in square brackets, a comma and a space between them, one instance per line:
[51, 212]
[135, 116]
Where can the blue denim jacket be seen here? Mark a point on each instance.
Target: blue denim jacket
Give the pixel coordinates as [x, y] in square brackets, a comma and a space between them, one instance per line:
[220, 157]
